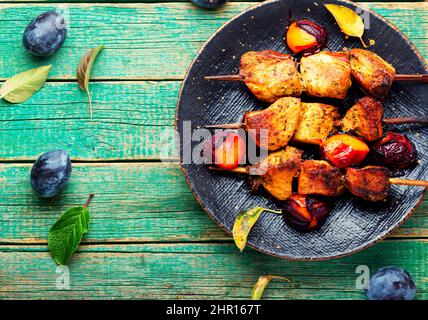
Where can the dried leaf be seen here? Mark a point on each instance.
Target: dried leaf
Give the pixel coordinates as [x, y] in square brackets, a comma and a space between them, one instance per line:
[23, 85]
[84, 72]
[243, 224]
[349, 21]
[261, 284]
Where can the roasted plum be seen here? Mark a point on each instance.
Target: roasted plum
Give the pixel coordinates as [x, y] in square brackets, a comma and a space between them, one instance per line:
[344, 150]
[225, 149]
[305, 36]
[395, 151]
[305, 213]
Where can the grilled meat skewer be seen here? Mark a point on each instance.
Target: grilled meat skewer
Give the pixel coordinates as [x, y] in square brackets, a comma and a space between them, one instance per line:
[277, 170]
[312, 123]
[270, 75]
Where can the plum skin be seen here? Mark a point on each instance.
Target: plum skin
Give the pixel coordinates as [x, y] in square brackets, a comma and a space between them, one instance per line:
[45, 34]
[209, 4]
[391, 283]
[50, 173]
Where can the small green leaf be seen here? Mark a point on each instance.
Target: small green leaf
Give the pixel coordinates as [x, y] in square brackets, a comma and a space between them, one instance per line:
[84, 72]
[23, 85]
[243, 224]
[261, 284]
[67, 232]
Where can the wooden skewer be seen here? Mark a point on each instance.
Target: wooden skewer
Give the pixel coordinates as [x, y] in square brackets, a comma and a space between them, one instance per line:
[242, 170]
[405, 182]
[398, 77]
[225, 126]
[402, 120]
[226, 77]
[411, 77]
[397, 181]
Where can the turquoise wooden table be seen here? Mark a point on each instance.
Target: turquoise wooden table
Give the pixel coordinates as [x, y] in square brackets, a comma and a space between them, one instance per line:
[149, 238]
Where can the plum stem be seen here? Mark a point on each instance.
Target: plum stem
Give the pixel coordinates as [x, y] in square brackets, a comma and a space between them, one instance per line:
[89, 200]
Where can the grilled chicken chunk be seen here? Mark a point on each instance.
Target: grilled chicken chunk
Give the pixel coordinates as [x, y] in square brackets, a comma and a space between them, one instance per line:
[280, 121]
[373, 74]
[370, 183]
[270, 75]
[326, 74]
[365, 118]
[276, 172]
[320, 177]
[316, 123]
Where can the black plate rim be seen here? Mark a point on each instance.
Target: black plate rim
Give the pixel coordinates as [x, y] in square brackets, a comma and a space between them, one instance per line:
[226, 230]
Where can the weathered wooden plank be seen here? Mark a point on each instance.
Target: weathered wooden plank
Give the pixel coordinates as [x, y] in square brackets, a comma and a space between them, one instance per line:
[142, 39]
[134, 202]
[128, 122]
[197, 271]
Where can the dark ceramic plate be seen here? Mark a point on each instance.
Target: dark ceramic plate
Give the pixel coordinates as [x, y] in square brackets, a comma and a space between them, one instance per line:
[353, 224]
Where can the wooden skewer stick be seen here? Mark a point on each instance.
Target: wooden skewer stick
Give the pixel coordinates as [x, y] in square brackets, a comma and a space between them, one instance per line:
[398, 77]
[338, 123]
[225, 126]
[226, 77]
[242, 170]
[404, 120]
[411, 77]
[404, 182]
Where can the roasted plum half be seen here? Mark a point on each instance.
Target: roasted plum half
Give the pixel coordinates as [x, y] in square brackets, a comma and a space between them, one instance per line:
[305, 213]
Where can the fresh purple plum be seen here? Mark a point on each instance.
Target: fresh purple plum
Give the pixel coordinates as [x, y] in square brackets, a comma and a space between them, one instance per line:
[50, 173]
[45, 34]
[209, 4]
[391, 283]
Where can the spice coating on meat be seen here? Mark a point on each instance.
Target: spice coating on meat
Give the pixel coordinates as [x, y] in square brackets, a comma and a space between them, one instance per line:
[365, 118]
[369, 183]
[373, 74]
[326, 74]
[320, 177]
[317, 121]
[270, 75]
[280, 120]
[277, 171]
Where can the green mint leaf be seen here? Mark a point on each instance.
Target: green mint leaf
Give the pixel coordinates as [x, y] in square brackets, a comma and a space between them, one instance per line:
[67, 232]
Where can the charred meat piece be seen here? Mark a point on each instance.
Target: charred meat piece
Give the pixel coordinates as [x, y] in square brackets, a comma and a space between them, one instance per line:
[365, 118]
[316, 123]
[326, 74]
[369, 183]
[320, 177]
[280, 121]
[373, 74]
[270, 75]
[276, 172]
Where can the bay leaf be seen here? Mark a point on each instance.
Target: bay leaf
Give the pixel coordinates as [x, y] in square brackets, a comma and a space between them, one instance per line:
[65, 235]
[244, 222]
[22, 86]
[261, 284]
[350, 23]
[84, 72]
